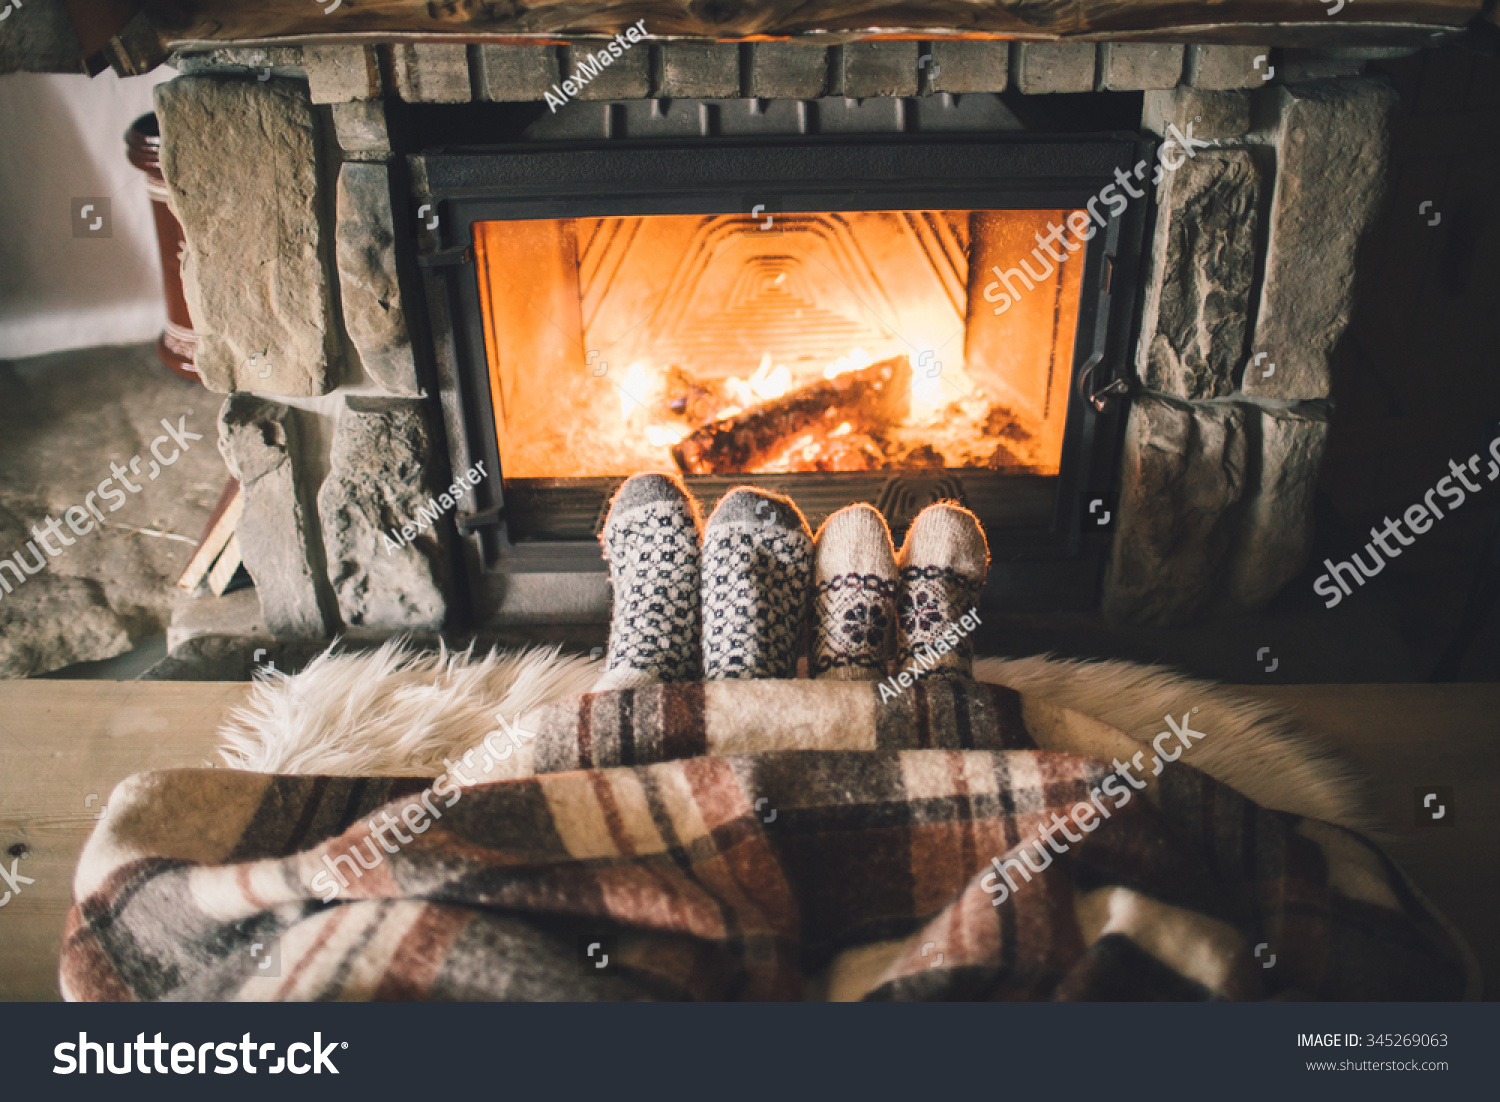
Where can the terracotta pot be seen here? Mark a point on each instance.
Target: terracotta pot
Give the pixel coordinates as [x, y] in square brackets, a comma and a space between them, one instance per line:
[178, 342]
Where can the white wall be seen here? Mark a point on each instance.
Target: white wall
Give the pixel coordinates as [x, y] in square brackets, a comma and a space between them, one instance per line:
[63, 135]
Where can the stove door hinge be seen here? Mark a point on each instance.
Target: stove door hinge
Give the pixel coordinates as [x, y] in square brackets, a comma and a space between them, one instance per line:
[446, 258]
[469, 523]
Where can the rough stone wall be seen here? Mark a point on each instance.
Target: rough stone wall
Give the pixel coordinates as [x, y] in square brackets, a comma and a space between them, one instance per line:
[1224, 443]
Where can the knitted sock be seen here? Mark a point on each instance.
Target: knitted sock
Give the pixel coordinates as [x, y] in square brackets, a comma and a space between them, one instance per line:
[651, 541]
[757, 563]
[942, 566]
[854, 597]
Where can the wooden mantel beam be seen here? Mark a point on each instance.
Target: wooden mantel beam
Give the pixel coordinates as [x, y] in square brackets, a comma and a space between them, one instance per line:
[220, 21]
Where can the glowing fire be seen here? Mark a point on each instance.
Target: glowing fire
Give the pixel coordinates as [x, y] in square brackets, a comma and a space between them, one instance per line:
[768, 382]
[856, 359]
[847, 344]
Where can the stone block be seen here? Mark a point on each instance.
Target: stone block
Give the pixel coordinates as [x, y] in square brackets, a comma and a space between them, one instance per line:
[339, 74]
[1214, 116]
[49, 620]
[879, 69]
[1333, 146]
[1203, 268]
[788, 70]
[1215, 68]
[62, 621]
[516, 74]
[432, 72]
[961, 67]
[1183, 472]
[39, 38]
[282, 61]
[700, 70]
[1038, 68]
[1276, 523]
[361, 129]
[380, 475]
[277, 533]
[1138, 66]
[374, 316]
[236, 614]
[241, 162]
[625, 77]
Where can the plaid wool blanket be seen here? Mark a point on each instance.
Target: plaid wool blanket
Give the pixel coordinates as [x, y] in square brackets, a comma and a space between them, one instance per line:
[749, 840]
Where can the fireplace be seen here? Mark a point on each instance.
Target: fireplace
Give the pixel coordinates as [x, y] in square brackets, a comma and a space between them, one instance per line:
[810, 264]
[818, 318]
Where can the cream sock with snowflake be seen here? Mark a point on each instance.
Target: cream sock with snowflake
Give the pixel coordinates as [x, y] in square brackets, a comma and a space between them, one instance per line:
[854, 597]
[942, 566]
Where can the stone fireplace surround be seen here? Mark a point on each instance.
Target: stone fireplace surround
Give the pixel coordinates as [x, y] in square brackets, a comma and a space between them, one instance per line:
[280, 167]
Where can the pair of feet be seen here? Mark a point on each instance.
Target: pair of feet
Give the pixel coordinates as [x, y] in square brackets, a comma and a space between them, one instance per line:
[728, 599]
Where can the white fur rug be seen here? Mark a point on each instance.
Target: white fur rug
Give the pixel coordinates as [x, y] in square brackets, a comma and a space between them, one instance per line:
[393, 711]
[399, 712]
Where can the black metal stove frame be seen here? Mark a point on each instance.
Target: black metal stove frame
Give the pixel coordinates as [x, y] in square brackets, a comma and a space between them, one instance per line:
[1046, 546]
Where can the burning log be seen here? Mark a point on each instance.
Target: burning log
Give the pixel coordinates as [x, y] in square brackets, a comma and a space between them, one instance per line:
[808, 452]
[685, 398]
[869, 400]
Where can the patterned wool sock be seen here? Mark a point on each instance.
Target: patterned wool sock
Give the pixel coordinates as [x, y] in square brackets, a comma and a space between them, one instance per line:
[651, 541]
[757, 564]
[942, 566]
[854, 597]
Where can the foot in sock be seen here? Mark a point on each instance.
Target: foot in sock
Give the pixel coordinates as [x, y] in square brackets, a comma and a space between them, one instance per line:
[651, 541]
[942, 566]
[757, 566]
[854, 597]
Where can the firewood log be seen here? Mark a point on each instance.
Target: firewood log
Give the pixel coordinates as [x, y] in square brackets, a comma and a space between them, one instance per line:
[851, 452]
[869, 399]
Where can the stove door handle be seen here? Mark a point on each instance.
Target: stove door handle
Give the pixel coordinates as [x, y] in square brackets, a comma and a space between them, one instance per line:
[1099, 399]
